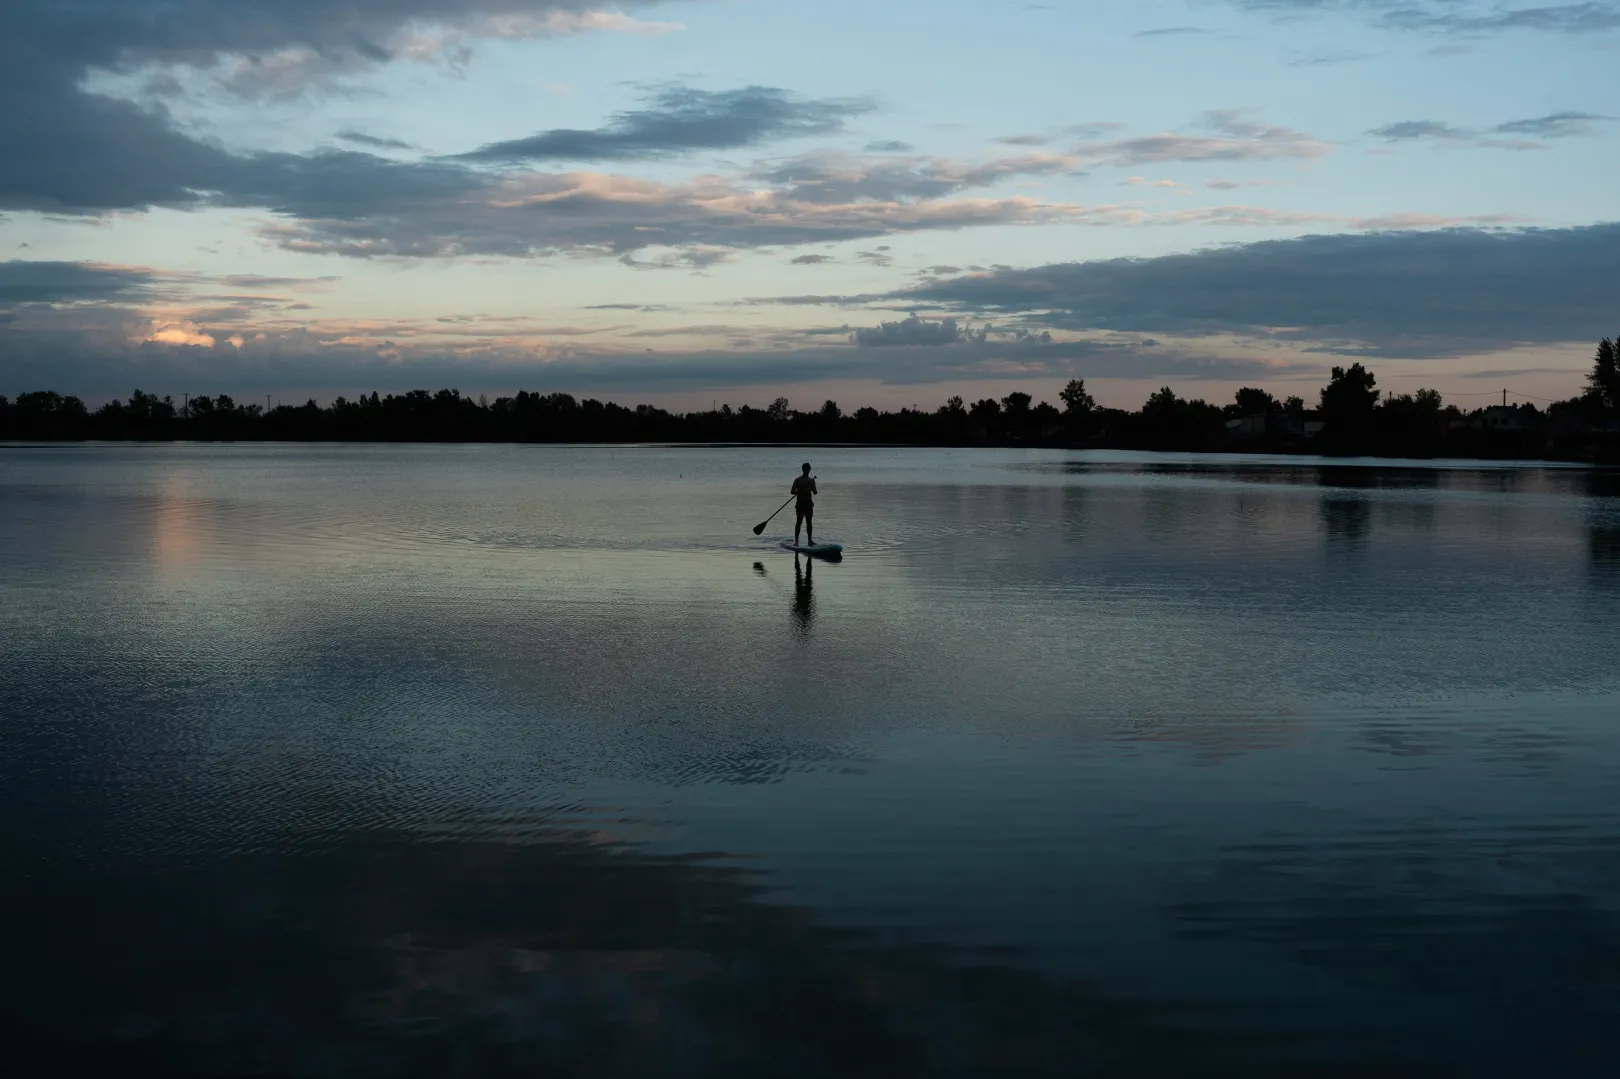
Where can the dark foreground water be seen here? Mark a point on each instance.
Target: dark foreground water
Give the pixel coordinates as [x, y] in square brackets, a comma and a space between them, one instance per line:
[463, 761]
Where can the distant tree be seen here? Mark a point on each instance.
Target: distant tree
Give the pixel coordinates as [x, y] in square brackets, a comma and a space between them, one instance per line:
[48, 414]
[987, 411]
[1410, 423]
[1360, 419]
[1076, 401]
[49, 405]
[1603, 384]
[1161, 403]
[145, 409]
[1250, 401]
[1348, 404]
[1168, 422]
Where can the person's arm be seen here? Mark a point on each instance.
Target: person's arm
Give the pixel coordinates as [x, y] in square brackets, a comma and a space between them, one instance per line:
[813, 486]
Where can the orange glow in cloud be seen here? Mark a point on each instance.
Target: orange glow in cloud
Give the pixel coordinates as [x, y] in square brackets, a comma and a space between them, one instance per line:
[179, 333]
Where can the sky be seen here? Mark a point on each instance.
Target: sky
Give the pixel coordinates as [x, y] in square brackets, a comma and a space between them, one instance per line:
[874, 203]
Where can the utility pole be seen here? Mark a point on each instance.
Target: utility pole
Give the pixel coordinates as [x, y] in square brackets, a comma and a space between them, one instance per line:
[1504, 398]
[267, 403]
[186, 410]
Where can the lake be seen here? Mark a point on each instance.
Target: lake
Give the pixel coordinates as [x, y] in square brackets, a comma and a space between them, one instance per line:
[472, 760]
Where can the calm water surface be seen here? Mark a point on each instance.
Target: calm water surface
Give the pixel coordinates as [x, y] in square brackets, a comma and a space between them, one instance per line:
[513, 760]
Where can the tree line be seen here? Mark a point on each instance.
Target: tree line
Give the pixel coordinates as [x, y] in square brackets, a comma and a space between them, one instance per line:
[1350, 416]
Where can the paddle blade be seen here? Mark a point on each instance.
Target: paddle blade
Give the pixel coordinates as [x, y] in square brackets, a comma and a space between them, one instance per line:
[760, 527]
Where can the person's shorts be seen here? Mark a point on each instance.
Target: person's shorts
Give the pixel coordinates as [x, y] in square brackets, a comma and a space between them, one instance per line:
[806, 507]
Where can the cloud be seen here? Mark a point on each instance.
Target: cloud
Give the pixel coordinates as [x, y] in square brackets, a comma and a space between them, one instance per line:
[180, 333]
[54, 152]
[695, 223]
[360, 204]
[692, 257]
[1237, 215]
[889, 146]
[1234, 137]
[1456, 17]
[811, 260]
[711, 330]
[324, 54]
[682, 119]
[124, 348]
[260, 281]
[1412, 294]
[910, 331]
[23, 282]
[1593, 16]
[1233, 185]
[1409, 221]
[1420, 129]
[1558, 125]
[538, 214]
[1406, 221]
[1325, 59]
[360, 138]
[832, 178]
[1171, 31]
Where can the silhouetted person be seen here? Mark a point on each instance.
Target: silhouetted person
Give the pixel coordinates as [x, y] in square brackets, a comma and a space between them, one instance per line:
[804, 489]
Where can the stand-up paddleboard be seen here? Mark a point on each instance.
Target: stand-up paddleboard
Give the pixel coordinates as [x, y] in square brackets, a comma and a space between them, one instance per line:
[813, 548]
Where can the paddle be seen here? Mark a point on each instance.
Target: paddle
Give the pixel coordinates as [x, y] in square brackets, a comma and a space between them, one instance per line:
[761, 526]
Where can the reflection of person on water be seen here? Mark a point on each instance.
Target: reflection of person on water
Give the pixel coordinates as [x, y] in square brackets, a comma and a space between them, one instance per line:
[803, 604]
[804, 489]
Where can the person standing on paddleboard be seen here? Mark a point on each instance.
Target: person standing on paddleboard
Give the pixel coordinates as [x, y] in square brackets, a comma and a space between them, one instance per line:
[804, 489]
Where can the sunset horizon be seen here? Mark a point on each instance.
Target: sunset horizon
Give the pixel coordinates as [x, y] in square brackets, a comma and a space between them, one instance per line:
[689, 203]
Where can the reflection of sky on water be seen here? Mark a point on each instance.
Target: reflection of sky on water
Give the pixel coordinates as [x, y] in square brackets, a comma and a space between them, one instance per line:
[532, 736]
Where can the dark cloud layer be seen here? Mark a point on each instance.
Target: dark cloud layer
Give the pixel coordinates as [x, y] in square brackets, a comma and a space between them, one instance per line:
[81, 328]
[108, 364]
[69, 282]
[67, 150]
[681, 119]
[63, 148]
[910, 331]
[1416, 294]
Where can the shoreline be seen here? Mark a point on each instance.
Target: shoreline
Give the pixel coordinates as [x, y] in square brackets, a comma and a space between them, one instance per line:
[1348, 459]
